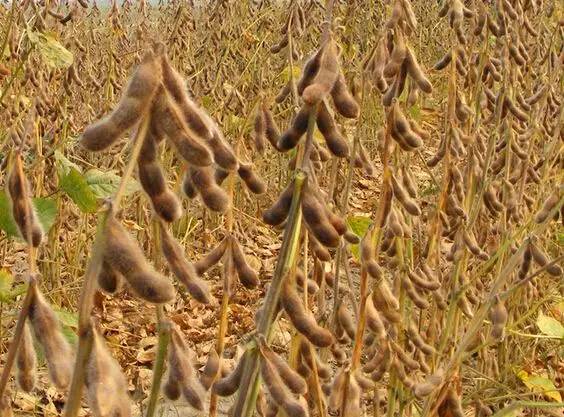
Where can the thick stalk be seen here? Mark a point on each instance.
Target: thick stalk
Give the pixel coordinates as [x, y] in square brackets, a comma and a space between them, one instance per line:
[86, 301]
[248, 391]
[158, 369]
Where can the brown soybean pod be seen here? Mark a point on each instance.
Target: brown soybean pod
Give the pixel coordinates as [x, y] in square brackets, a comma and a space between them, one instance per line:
[105, 382]
[292, 136]
[123, 254]
[47, 330]
[26, 361]
[278, 212]
[290, 377]
[344, 102]
[193, 115]
[415, 71]
[315, 216]
[346, 320]
[247, 275]
[182, 269]
[213, 196]
[303, 320]
[22, 209]
[227, 386]
[403, 197]
[272, 131]
[211, 258]
[251, 179]
[211, 369]
[279, 392]
[311, 67]
[153, 181]
[169, 121]
[328, 128]
[547, 207]
[109, 280]
[133, 104]
[326, 76]
[259, 134]
[541, 259]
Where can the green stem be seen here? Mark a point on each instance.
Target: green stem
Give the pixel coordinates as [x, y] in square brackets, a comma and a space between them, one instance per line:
[248, 392]
[158, 369]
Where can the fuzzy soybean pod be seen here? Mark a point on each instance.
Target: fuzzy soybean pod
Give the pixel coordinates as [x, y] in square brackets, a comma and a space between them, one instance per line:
[344, 101]
[374, 321]
[170, 122]
[272, 132]
[315, 215]
[123, 254]
[223, 153]
[415, 72]
[336, 143]
[302, 319]
[547, 207]
[255, 184]
[227, 386]
[182, 269]
[211, 258]
[259, 134]
[292, 136]
[47, 331]
[26, 361]
[290, 377]
[211, 369]
[311, 67]
[309, 356]
[278, 212]
[542, 259]
[279, 392]
[213, 196]
[109, 280]
[326, 76]
[106, 385]
[247, 276]
[192, 114]
[134, 103]
[498, 317]
[402, 131]
[181, 371]
[153, 181]
[408, 203]
[425, 388]
[22, 209]
[346, 320]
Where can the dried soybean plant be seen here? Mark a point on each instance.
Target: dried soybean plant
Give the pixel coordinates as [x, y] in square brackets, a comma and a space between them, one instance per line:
[36, 313]
[463, 248]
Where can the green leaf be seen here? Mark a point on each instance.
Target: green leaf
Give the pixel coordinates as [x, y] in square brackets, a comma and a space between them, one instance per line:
[105, 184]
[67, 318]
[540, 383]
[285, 74]
[6, 280]
[74, 184]
[51, 50]
[359, 226]
[63, 163]
[550, 326]
[70, 335]
[45, 208]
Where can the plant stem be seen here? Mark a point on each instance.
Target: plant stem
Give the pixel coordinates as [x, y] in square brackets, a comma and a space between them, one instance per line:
[85, 336]
[158, 369]
[18, 332]
[248, 391]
